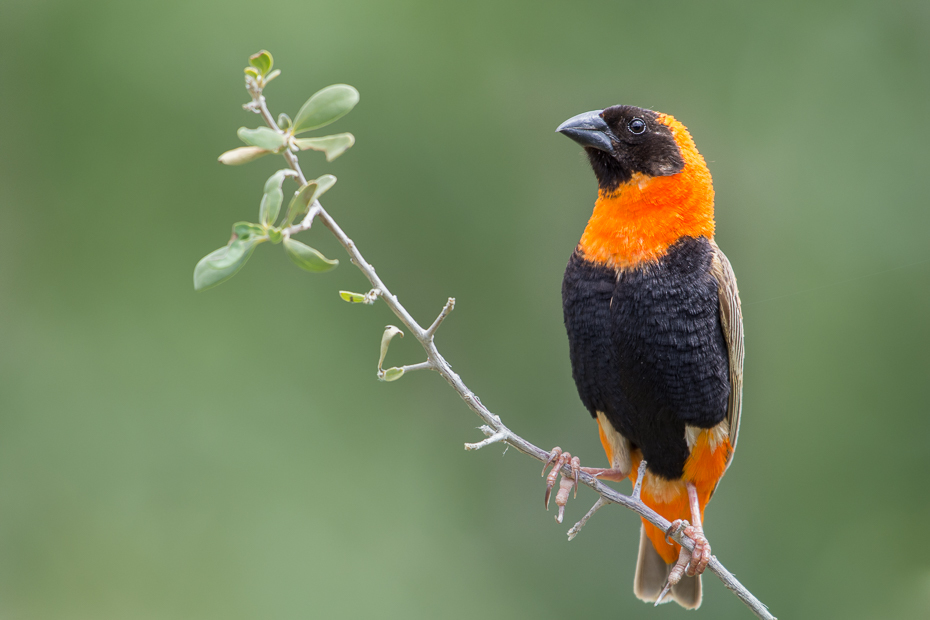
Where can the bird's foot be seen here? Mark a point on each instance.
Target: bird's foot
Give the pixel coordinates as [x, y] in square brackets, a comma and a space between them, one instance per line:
[699, 558]
[689, 563]
[558, 459]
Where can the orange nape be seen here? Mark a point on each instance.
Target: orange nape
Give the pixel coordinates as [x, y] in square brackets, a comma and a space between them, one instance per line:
[669, 498]
[640, 219]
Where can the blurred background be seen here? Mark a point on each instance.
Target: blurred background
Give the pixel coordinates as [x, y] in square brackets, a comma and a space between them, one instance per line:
[230, 454]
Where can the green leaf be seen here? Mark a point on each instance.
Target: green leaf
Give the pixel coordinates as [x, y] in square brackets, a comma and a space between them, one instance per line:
[305, 196]
[307, 258]
[272, 76]
[207, 274]
[244, 230]
[262, 61]
[252, 71]
[284, 121]
[334, 145]
[276, 179]
[242, 155]
[272, 198]
[392, 374]
[325, 106]
[262, 137]
[275, 236]
[300, 202]
[352, 298]
[234, 252]
[270, 206]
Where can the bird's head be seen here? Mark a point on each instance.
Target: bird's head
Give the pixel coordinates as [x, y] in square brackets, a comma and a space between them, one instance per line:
[654, 185]
[623, 140]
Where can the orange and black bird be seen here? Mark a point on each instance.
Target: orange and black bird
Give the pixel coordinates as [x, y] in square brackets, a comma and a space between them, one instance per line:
[655, 334]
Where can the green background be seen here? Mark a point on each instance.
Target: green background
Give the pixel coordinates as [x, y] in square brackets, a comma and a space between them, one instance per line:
[229, 454]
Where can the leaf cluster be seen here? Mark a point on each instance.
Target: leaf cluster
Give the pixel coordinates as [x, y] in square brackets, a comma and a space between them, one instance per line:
[322, 108]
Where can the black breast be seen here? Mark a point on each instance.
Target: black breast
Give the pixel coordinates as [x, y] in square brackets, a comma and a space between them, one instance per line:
[647, 348]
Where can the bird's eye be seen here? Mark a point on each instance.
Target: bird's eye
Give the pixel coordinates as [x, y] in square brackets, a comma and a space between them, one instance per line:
[637, 126]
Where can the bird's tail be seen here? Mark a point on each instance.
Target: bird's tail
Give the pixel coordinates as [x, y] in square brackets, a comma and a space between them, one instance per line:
[652, 573]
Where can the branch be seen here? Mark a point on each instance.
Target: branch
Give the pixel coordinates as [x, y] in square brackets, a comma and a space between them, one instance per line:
[493, 437]
[431, 331]
[306, 223]
[600, 503]
[494, 428]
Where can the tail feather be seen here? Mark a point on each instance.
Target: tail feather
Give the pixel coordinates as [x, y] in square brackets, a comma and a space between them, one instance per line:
[651, 570]
[687, 592]
[652, 573]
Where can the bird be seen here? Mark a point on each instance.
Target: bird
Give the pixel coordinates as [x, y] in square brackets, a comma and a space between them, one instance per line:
[655, 335]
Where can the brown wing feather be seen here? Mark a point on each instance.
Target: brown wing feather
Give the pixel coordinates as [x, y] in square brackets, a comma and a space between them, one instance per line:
[731, 319]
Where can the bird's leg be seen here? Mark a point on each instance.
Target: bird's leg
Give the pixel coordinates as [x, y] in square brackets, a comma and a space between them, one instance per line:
[558, 459]
[601, 473]
[689, 563]
[700, 557]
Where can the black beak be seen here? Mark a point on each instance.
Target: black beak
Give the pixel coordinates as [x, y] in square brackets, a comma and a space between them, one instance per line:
[588, 130]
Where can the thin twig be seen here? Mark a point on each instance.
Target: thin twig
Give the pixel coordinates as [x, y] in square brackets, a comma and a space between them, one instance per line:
[600, 503]
[496, 437]
[305, 223]
[421, 366]
[494, 426]
[431, 330]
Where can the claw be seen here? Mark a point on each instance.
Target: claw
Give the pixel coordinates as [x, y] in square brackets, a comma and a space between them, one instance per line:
[551, 478]
[561, 459]
[676, 526]
[665, 589]
[556, 453]
[576, 474]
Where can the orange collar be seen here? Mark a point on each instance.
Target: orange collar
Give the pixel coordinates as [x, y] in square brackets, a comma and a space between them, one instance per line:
[639, 220]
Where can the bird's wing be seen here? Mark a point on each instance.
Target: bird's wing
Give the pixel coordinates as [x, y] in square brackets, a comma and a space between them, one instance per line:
[731, 319]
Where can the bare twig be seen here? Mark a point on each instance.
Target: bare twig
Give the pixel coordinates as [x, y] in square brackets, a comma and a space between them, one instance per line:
[421, 366]
[600, 503]
[431, 330]
[493, 438]
[494, 427]
[307, 222]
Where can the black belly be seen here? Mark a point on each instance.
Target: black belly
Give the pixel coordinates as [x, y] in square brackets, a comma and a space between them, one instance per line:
[647, 348]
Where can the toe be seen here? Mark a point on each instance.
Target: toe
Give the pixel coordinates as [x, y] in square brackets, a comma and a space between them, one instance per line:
[674, 528]
[555, 454]
[561, 498]
[576, 473]
[700, 557]
[678, 570]
[560, 460]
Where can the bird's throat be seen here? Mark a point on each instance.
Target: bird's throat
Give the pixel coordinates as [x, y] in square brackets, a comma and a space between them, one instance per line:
[643, 217]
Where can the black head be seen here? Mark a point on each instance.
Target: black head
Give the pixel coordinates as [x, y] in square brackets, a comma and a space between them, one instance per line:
[623, 139]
